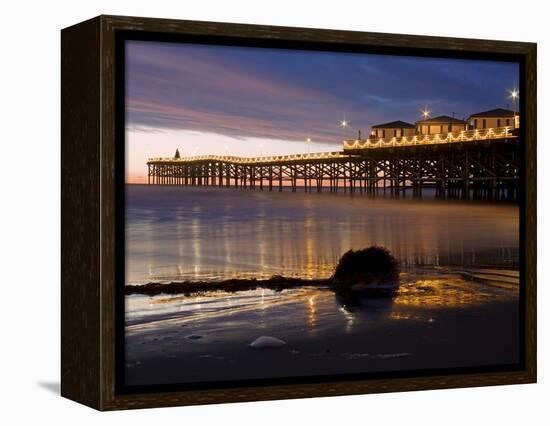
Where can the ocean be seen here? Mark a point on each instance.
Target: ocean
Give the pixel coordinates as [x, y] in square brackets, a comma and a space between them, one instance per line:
[176, 233]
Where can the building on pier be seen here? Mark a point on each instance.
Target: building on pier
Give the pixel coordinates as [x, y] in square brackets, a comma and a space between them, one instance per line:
[498, 117]
[393, 129]
[492, 119]
[440, 125]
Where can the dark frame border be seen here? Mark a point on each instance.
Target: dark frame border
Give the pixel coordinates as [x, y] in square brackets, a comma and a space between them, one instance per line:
[106, 34]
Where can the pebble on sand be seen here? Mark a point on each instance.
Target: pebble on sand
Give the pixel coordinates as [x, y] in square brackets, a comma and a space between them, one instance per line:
[194, 336]
[267, 342]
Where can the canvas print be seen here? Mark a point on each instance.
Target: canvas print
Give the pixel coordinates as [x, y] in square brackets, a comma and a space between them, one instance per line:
[300, 214]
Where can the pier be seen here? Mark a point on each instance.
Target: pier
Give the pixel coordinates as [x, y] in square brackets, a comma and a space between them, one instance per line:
[478, 164]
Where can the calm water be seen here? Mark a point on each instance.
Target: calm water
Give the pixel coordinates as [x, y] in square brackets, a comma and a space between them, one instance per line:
[176, 233]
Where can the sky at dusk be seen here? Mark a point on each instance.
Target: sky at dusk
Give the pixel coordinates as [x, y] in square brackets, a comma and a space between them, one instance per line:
[254, 101]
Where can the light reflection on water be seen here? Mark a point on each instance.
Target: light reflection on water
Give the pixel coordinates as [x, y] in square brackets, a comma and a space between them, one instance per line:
[176, 233]
[313, 309]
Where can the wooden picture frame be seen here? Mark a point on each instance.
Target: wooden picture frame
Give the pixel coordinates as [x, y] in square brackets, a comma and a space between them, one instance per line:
[91, 206]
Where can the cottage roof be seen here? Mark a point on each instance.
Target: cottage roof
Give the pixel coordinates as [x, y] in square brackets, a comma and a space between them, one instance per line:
[442, 119]
[394, 125]
[497, 112]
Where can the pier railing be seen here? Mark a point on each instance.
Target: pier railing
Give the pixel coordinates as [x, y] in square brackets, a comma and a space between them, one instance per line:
[463, 136]
[250, 160]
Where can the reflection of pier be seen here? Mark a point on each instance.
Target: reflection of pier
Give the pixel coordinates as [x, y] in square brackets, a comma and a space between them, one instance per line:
[480, 164]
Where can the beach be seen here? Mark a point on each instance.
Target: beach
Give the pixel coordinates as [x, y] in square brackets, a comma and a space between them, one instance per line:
[457, 306]
[433, 323]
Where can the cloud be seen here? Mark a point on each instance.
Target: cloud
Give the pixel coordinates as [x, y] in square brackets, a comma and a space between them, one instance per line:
[284, 94]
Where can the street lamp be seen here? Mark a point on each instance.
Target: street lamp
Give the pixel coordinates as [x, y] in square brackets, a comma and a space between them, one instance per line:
[514, 94]
[344, 124]
[308, 140]
[426, 113]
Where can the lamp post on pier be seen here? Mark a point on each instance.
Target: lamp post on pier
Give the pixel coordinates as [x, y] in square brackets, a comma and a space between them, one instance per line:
[344, 124]
[514, 94]
[426, 113]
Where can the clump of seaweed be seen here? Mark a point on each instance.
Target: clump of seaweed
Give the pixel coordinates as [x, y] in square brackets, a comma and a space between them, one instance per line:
[372, 270]
[276, 283]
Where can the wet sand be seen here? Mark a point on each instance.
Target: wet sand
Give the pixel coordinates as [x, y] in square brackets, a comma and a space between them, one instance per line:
[438, 320]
